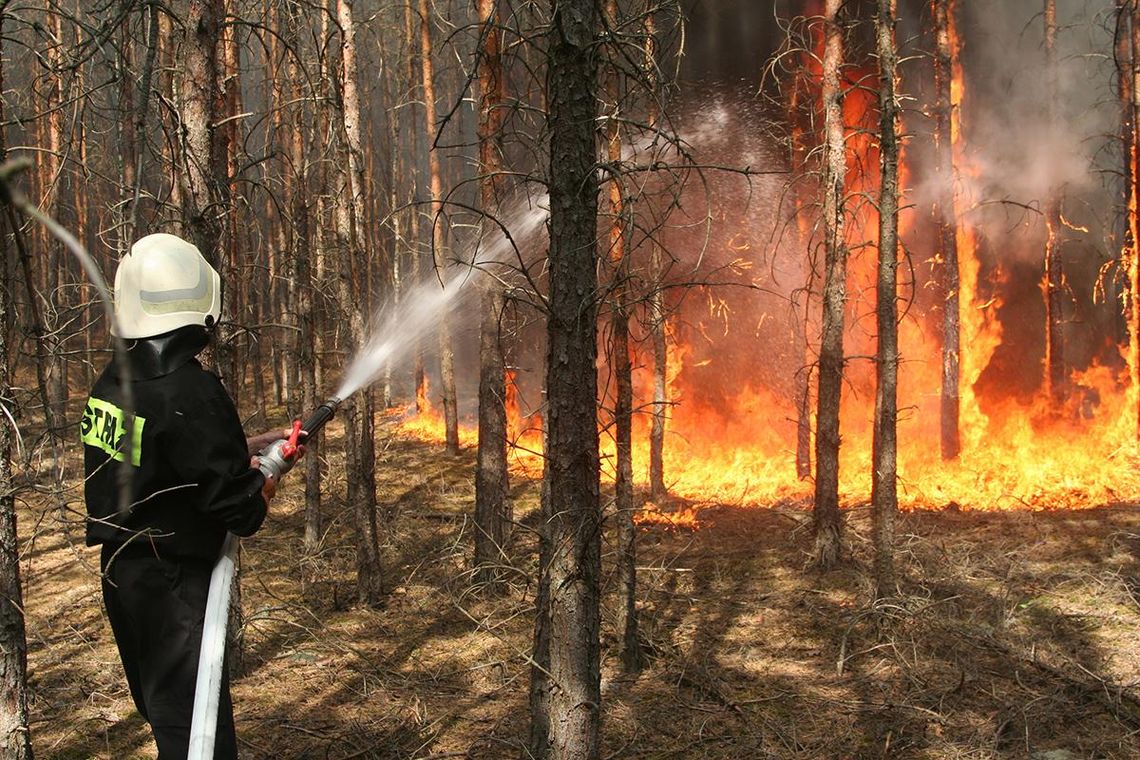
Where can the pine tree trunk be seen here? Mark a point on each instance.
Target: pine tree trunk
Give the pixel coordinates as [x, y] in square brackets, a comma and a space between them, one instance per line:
[1055, 378]
[623, 375]
[574, 706]
[492, 487]
[541, 685]
[129, 136]
[204, 160]
[301, 252]
[55, 303]
[884, 496]
[446, 353]
[1134, 198]
[15, 737]
[414, 273]
[657, 310]
[15, 741]
[946, 219]
[1122, 55]
[828, 523]
[1128, 22]
[359, 442]
[801, 382]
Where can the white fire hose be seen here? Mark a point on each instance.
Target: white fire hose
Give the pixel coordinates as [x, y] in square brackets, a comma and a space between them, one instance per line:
[274, 461]
[211, 658]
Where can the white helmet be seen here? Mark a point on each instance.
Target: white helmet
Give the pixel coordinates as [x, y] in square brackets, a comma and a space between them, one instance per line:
[165, 283]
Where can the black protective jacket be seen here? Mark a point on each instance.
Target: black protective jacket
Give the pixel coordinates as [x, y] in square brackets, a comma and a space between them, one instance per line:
[191, 480]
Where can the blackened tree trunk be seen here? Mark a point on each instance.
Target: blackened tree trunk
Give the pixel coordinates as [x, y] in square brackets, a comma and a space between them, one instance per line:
[1127, 50]
[574, 525]
[623, 378]
[801, 382]
[946, 219]
[884, 497]
[492, 487]
[1122, 55]
[446, 353]
[828, 524]
[657, 309]
[541, 685]
[1055, 380]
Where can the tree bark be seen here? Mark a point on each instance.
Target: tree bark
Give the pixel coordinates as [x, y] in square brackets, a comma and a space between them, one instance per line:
[446, 353]
[15, 741]
[492, 487]
[574, 699]
[801, 382]
[1127, 50]
[300, 248]
[1122, 57]
[15, 736]
[884, 496]
[828, 523]
[360, 447]
[55, 306]
[200, 97]
[414, 273]
[1055, 377]
[623, 375]
[946, 218]
[657, 308]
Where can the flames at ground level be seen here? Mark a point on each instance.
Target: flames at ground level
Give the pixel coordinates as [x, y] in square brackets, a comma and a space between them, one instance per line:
[1015, 457]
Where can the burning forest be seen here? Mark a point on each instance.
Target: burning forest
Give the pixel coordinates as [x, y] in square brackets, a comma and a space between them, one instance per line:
[995, 175]
[677, 378]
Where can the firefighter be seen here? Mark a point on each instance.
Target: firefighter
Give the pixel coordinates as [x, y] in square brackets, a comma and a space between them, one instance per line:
[192, 479]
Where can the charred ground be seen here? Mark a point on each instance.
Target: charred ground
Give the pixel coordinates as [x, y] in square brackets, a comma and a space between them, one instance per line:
[1016, 636]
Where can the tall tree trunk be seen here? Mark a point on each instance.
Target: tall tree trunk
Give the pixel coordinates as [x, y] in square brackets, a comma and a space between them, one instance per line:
[574, 706]
[225, 146]
[130, 137]
[200, 96]
[492, 487]
[541, 684]
[15, 743]
[300, 248]
[15, 736]
[419, 378]
[1055, 380]
[1122, 55]
[801, 382]
[828, 523]
[1128, 59]
[134, 109]
[55, 290]
[204, 161]
[884, 466]
[657, 309]
[360, 456]
[446, 354]
[800, 315]
[947, 220]
[623, 375]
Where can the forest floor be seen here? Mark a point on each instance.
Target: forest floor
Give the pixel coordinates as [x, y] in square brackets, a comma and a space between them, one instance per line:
[1016, 635]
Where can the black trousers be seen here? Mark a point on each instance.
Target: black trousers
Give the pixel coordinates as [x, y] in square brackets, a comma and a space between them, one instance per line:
[156, 607]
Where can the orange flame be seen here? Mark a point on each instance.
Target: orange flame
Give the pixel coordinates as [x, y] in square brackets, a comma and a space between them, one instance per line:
[738, 447]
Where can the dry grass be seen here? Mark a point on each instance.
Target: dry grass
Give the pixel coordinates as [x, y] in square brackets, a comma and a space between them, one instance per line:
[1014, 635]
